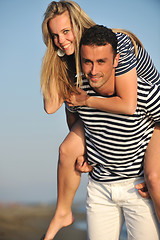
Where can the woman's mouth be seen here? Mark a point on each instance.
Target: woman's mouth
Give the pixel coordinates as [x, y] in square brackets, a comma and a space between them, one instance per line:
[65, 47]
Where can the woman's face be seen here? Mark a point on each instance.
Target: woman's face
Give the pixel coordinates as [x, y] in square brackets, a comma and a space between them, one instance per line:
[62, 32]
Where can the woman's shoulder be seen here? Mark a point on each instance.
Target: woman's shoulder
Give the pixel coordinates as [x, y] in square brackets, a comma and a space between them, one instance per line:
[124, 40]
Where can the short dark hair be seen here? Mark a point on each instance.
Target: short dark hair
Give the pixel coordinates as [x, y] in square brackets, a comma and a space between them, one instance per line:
[100, 35]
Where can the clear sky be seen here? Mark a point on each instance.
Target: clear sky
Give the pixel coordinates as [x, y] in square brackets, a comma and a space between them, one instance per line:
[29, 138]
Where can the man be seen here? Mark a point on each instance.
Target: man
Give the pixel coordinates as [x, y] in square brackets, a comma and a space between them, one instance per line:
[115, 146]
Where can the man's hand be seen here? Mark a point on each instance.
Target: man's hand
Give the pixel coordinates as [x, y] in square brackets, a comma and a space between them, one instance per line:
[142, 189]
[82, 166]
[78, 99]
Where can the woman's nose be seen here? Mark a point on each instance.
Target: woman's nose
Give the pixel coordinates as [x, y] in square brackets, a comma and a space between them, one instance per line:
[61, 39]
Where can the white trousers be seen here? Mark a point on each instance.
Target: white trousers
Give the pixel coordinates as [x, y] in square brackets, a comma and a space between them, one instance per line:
[109, 205]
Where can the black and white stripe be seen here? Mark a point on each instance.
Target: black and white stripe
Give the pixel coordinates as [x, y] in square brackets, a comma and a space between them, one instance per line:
[145, 67]
[143, 63]
[116, 143]
[127, 60]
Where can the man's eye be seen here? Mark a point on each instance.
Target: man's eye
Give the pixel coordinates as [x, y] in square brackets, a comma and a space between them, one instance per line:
[101, 61]
[87, 62]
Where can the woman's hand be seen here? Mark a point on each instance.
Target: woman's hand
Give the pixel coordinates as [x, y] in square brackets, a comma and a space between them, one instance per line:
[79, 99]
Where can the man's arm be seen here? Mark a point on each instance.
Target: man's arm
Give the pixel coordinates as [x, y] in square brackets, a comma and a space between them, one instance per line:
[71, 118]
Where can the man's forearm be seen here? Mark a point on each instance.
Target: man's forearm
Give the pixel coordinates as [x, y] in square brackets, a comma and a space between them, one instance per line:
[71, 118]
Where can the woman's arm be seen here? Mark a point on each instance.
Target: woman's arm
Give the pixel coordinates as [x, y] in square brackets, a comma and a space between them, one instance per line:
[125, 101]
[53, 102]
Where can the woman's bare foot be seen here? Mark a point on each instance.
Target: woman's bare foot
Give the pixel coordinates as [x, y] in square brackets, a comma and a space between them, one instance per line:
[58, 221]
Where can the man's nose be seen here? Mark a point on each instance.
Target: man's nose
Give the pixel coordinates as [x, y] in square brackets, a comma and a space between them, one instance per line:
[93, 69]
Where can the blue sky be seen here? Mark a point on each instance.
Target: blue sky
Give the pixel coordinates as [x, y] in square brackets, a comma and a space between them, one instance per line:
[30, 138]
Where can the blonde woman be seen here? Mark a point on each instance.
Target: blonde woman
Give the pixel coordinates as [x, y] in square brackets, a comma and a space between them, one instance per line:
[63, 25]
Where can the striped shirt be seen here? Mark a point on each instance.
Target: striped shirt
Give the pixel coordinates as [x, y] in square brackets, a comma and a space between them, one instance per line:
[127, 61]
[116, 143]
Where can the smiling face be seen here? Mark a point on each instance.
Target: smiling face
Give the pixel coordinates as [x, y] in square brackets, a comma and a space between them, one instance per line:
[62, 32]
[98, 65]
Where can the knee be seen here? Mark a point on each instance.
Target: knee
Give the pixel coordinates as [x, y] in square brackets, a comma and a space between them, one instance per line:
[153, 179]
[64, 154]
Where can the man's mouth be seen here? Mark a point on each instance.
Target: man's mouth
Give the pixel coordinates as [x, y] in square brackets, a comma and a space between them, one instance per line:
[94, 78]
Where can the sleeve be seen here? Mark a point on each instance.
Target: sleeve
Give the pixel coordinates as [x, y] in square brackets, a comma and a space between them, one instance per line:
[153, 103]
[127, 60]
[72, 109]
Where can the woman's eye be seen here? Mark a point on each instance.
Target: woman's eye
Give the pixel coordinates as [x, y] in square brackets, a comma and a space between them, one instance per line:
[66, 31]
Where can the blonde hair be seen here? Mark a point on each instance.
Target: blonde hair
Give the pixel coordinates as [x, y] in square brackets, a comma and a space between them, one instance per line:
[135, 40]
[56, 68]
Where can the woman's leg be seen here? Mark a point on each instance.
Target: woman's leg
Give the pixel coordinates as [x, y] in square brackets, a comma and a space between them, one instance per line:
[68, 178]
[152, 169]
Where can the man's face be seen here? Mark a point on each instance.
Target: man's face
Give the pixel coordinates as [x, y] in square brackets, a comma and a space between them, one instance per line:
[98, 65]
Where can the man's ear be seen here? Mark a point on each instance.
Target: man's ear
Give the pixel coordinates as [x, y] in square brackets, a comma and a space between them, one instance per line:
[116, 59]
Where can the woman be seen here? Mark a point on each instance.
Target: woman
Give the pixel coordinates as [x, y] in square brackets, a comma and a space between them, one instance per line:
[63, 26]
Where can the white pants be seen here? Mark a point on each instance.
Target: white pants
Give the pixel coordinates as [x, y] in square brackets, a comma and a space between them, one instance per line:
[108, 205]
